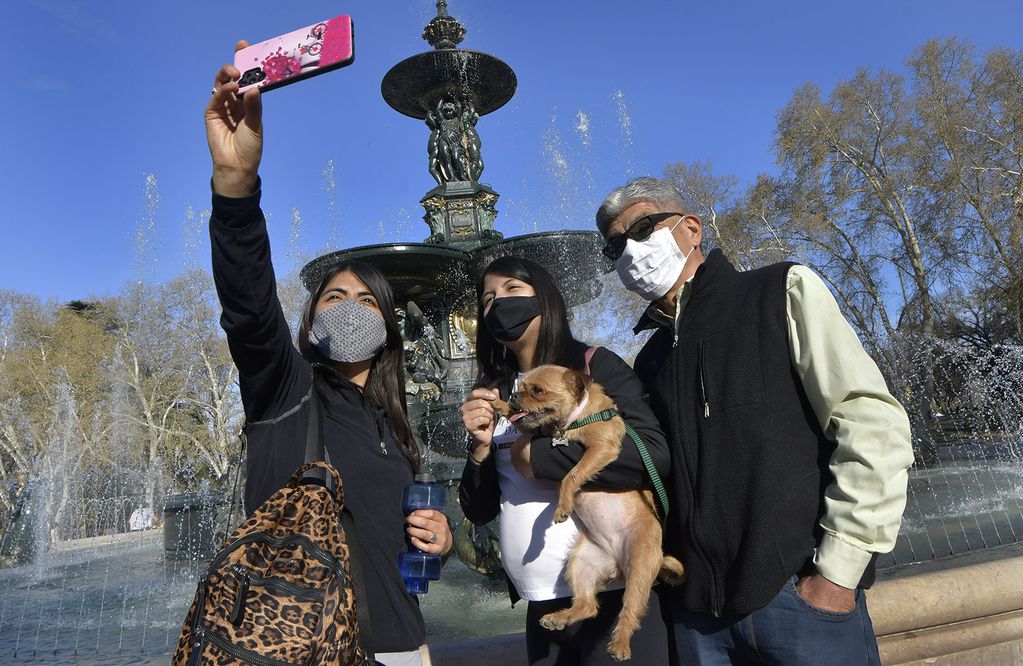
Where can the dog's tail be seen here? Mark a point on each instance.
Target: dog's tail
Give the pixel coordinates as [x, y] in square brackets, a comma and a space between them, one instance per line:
[672, 572]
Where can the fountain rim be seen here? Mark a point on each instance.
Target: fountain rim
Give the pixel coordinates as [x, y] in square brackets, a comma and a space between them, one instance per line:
[602, 263]
[312, 271]
[475, 257]
[406, 92]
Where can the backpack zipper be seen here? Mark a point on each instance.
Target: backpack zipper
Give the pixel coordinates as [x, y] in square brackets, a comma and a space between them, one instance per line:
[318, 553]
[239, 599]
[245, 579]
[248, 656]
[295, 590]
[198, 635]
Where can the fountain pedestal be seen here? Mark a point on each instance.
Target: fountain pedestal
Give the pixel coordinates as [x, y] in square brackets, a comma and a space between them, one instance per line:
[461, 214]
[434, 281]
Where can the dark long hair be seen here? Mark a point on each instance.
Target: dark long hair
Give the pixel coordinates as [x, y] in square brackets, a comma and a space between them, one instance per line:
[555, 343]
[385, 387]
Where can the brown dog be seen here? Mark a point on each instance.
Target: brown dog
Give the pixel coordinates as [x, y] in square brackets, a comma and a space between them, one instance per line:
[621, 534]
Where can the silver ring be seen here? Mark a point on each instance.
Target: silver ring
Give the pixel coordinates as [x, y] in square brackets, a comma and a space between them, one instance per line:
[433, 537]
[214, 92]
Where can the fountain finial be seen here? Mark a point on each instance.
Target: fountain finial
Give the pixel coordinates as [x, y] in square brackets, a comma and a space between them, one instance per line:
[444, 31]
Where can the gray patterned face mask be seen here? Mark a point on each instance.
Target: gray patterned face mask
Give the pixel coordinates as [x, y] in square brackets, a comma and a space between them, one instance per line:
[348, 332]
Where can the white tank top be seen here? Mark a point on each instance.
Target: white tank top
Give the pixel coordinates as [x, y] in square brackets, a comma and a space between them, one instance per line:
[533, 549]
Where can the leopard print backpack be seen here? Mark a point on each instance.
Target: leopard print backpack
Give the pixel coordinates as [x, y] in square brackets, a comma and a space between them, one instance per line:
[281, 590]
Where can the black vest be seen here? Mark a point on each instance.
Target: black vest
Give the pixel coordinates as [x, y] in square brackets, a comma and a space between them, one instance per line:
[750, 462]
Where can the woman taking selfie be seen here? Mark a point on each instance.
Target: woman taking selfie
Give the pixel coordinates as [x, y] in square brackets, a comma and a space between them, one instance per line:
[522, 324]
[349, 352]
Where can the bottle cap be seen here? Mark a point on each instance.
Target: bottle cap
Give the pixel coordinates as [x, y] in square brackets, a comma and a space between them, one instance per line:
[425, 477]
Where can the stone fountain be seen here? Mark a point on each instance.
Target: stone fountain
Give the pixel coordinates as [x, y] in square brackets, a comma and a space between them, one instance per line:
[450, 89]
[951, 591]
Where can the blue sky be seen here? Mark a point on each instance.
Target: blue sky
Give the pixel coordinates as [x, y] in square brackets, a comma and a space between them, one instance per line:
[98, 97]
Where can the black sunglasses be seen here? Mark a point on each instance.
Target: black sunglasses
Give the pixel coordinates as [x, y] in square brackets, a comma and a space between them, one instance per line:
[638, 231]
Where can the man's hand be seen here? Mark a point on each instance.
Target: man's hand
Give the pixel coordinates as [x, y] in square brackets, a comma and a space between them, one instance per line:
[234, 132]
[821, 593]
[520, 456]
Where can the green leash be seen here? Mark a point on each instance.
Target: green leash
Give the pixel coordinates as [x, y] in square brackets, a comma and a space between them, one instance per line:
[655, 478]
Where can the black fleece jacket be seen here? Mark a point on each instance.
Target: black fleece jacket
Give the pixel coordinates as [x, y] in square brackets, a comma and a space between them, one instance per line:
[275, 381]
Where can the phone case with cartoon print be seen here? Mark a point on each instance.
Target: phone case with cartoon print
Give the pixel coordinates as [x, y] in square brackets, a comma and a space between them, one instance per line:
[314, 49]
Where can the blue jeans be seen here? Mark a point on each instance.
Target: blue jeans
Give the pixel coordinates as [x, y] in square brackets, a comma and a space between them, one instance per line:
[788, 631]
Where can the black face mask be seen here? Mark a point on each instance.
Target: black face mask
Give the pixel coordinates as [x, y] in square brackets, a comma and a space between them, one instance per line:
[509, 317]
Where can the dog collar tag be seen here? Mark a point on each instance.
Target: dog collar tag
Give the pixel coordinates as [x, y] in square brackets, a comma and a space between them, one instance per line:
[559, 441]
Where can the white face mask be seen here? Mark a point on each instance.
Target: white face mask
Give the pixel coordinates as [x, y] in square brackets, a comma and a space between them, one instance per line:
[650, 268]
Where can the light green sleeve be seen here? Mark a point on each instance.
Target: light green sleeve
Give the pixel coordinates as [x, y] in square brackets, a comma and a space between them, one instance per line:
[864, 503]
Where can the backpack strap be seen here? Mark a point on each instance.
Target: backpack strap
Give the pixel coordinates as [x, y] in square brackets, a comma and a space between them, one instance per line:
[589, 356]
[315, 449]
[359, 583]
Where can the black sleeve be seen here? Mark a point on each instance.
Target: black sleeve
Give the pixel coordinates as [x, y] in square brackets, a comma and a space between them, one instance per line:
[269, 366]
[626, 389]
[479, 493]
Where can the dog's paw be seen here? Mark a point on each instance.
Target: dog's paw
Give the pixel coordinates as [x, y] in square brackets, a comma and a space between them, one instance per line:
[563, 511]
[619, 650]
[554, 621]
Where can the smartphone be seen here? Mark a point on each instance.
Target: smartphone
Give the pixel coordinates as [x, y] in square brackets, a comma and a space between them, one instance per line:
[299, 54]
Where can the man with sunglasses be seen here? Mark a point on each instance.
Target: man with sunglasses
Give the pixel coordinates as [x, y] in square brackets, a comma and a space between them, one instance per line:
[790, 456]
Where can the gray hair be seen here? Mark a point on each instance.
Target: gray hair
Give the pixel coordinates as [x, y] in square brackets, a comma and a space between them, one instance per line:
[658, 191]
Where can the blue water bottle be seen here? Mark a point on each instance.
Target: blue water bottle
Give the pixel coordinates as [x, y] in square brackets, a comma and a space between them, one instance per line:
[416, 567]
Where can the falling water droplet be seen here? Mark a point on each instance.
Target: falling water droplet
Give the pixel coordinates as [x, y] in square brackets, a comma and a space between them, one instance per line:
[145, 233]
[625, 123]
[333, 210]
[294, 234]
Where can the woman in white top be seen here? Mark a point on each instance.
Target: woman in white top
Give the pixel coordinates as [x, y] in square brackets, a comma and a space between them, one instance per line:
[523, 323]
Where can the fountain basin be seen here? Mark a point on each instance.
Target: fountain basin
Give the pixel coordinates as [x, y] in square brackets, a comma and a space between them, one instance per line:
[414, 84]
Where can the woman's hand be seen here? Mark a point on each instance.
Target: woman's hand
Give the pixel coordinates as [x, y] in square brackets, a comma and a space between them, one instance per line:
[234, 132]
[430, 531]
[478, 418]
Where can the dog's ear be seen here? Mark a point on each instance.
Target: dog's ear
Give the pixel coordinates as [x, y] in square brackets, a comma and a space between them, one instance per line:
[577, 382]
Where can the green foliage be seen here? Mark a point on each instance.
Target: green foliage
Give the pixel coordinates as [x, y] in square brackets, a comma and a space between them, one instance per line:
[125, 389]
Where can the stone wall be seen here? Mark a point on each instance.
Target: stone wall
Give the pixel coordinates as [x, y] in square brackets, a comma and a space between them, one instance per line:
[958, 615]
[954, 612]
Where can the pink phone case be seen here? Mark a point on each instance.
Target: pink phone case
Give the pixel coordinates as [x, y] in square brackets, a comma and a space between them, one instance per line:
[302, 53]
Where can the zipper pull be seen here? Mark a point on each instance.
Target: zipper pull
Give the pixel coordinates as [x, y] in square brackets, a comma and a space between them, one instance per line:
[239, 602]
[383, 449]
[703, 386]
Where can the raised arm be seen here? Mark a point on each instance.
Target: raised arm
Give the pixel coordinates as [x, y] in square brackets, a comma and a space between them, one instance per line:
[257, 332]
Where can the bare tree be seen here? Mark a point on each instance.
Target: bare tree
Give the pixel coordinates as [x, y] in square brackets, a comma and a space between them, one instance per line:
[734, 221]
[971, 115]
[850, 170]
